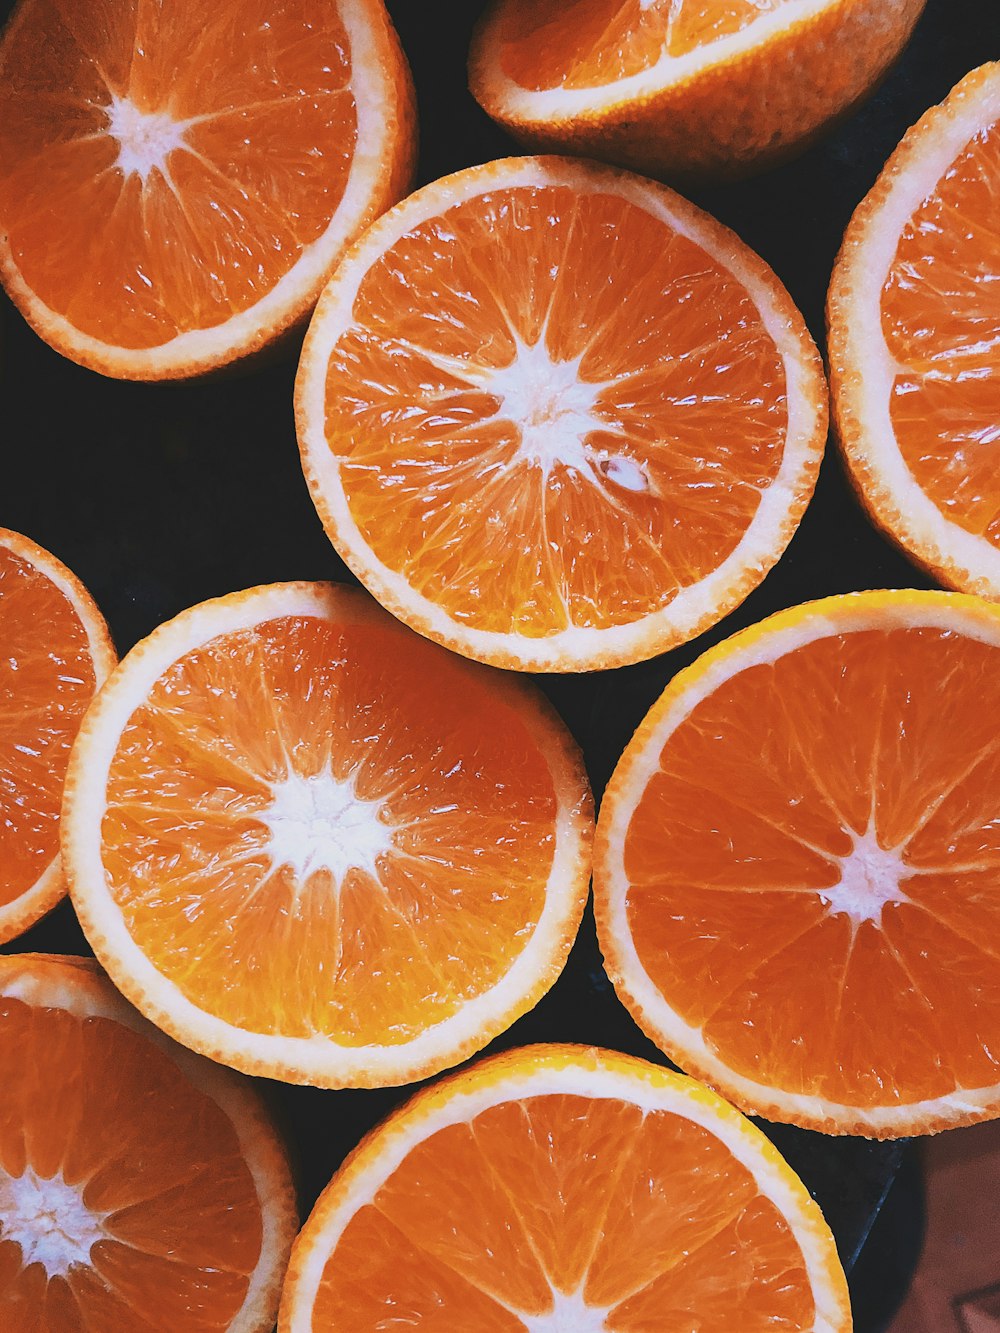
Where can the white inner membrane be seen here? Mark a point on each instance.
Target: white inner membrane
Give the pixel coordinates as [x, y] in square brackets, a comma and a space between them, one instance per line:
[320, 823]
[555, 410]
[869, 880]
[49, 1220]
[571, 1315]
[145, 138]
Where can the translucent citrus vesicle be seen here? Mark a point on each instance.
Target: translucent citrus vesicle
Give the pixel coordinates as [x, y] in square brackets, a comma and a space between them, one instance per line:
[55, 653]
[173, 1200]
[315, 829]
[175, 185]
[555, 417]
[561, 1188]
[799, 862]
[914, 313]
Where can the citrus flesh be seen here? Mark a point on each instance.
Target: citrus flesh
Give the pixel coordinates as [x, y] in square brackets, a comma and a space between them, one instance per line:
[564, 1188]
[312, 844]
[913, 316]
[682, 87]
[175, 187]
[797, 873]
[140, 1186]
[56, 653]
[557, 418]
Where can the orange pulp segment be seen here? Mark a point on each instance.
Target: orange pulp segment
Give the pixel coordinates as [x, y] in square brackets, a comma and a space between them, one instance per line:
[799, 871]
[55, 653]
[914, 313]
[173, 1199]
[165, 172]
[550, 414]
[556, 1188]
[321, 830]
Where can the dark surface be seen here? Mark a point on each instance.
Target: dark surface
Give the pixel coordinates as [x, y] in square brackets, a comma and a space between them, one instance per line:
[161, 496]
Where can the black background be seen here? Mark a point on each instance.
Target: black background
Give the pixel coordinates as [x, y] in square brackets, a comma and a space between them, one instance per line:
[161, 496]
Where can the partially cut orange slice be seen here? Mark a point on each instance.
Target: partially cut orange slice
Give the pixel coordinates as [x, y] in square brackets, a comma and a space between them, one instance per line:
[557, 418]
[141, 1187]
[55, 652]
[560, 1189]
[177, 182]
[312, 845]
[692, 87]
[914, 316]
[797, 879]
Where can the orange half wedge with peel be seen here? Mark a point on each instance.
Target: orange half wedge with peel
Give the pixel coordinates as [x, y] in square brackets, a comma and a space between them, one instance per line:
[709, 88]
[797, 875]
[314, 846]
[55, 652]
[914, 325]
[557, 418]
[141, 1187]
[559, 1188]
[177, 182]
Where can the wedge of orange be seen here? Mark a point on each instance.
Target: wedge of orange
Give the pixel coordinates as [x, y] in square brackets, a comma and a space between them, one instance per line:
[312, 845]
[690, 87]
[176, 183]
[913, 317]
[55, 652]
[141, 1187]
[562, 1189]
[557, 418]
[797, 879]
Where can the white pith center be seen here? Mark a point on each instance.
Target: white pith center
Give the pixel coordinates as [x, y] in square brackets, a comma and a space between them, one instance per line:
[320, 823]
[49, 1220]
[556, 410]
[571, 1315]
[145, 138]
[869, 880]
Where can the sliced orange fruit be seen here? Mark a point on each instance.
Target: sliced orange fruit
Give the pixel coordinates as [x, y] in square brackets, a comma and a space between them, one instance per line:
[557, 418]
[312, 845]
[797, 878]
[692, 87]
[176, 184]
[55, 652]
[562, 1189]
[141, 1187]
[913, 318]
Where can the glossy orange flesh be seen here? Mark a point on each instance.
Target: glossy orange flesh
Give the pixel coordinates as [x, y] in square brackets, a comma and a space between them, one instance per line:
[645, 1215]
[759, 794]
[99, 1105]
[940, 318]
[263, 90]
[587, 43]
[464, 791]
[439, 473]
[46, 682]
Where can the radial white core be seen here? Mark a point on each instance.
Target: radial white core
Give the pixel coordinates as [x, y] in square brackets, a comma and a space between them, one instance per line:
[320, 823]
[571, 1315]
[145, 138]
[556, 410]
[49, 1220]
[869, 881]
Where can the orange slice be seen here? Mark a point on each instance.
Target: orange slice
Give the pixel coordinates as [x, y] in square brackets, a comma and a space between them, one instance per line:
[561, 1189]
[312, 845]
[698, 87]
[914, 315]
[55, 652]
[797, 879]
[557, 418]
[141, 1187]
[176, 183]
